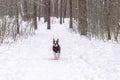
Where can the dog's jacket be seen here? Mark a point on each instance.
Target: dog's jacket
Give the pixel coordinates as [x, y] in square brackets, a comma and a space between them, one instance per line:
[56, 49]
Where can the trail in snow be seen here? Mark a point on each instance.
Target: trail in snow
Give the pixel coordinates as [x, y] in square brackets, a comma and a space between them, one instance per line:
[81, 59]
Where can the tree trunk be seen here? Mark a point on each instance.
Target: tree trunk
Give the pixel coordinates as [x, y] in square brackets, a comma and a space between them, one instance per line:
[48, 16]
[25, 9]
[17, 17]
[82, 28]
[35, 15]
[56, 8]
[64, 11]
[45, 10]
[108, 21]
[61, 11]
[39, 11]
[71, 22]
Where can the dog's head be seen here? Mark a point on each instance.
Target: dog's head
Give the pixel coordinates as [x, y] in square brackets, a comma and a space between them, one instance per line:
[55, 42]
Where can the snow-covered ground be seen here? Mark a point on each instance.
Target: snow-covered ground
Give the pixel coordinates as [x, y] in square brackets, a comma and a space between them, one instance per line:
[81, 59]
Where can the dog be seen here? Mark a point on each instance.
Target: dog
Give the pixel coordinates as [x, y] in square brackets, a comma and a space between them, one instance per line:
[56, 49]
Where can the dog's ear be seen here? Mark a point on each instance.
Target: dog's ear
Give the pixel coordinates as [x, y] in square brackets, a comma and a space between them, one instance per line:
[57, 40]
[53, 41]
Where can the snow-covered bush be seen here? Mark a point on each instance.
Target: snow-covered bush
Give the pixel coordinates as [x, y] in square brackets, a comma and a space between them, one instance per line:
[8, 29]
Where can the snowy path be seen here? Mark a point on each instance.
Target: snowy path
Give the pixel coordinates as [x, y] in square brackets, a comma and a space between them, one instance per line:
[81, 59]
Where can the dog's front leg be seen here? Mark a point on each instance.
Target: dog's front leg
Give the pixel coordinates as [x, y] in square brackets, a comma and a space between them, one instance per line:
[55, 56]
[58, 55]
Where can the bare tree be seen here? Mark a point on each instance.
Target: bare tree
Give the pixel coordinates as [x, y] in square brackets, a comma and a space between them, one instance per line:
[35, 15]
[82, 17]
[61, 2]
[17, 17]
[108, 19]
[56, 8]
[48, 16]
[64, 9]
[71, 22]
[39, 9]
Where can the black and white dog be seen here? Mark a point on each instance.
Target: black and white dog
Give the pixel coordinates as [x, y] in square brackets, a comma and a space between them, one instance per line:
[56, 49]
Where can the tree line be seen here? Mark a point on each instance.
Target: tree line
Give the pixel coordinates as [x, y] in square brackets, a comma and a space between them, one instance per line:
[99, 19]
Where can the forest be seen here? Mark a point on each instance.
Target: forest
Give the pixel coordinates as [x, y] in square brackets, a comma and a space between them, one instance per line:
[98, 19]
[59, 39]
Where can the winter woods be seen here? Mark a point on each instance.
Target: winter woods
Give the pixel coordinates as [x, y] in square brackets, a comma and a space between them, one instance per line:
[99, 19]
[103, 19]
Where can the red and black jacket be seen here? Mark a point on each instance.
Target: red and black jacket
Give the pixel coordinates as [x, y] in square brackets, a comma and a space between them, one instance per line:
[56, 49]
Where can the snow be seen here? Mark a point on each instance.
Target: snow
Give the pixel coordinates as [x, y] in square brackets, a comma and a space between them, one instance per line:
[81, 59]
